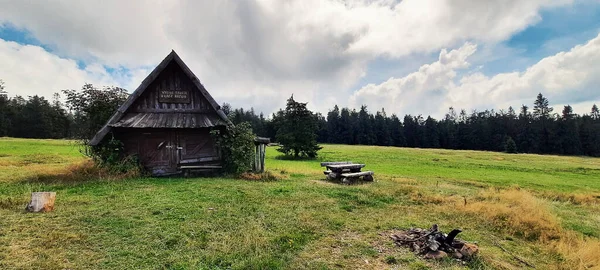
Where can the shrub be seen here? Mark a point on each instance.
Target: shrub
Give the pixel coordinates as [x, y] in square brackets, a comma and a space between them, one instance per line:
[111, 155]
[237, 147]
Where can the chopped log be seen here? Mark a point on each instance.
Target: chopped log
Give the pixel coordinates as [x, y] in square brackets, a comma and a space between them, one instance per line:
[332, 176]
[323, 164]
[41, 202]
[327, 172]
[368, 178]
[357, 174]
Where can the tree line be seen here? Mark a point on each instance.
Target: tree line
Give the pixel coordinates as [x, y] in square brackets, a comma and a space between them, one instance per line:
[79, 115]
[537, 130]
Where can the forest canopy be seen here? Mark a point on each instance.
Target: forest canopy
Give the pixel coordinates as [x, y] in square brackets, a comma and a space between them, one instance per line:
[538, 129]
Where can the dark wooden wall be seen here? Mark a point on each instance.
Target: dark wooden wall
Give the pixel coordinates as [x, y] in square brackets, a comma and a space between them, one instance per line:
[164, 150]
[172, 78]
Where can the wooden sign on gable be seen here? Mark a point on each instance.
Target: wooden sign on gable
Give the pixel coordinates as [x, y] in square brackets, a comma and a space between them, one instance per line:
[174, 96]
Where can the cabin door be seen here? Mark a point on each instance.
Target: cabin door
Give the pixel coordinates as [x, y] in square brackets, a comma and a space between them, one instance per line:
[158, 152]
[196, 146]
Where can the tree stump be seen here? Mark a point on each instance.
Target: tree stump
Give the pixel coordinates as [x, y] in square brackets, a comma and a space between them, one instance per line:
[41, 202]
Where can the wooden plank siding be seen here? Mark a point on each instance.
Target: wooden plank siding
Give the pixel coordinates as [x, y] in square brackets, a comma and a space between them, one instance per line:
[171, 79]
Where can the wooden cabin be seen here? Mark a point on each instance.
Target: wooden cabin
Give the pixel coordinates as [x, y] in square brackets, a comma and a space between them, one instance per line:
[167, 120]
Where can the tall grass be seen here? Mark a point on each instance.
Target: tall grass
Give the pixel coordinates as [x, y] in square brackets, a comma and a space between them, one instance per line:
[520, 213]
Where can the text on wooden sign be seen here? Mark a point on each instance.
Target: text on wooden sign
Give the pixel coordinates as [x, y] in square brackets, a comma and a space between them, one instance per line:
[169, 96]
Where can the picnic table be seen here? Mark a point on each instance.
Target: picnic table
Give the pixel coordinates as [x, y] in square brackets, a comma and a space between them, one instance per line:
[346, 171]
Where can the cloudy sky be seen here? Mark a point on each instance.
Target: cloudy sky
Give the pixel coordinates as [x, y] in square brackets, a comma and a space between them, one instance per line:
[410, 56]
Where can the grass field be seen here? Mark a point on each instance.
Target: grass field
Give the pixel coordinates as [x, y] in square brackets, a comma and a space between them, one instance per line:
[543, 209]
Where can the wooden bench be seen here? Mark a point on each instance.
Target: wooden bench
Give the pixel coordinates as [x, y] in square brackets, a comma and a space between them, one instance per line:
[348, 178]
[357, 174]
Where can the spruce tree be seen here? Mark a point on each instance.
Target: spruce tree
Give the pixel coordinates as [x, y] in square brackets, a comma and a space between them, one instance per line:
[366, 135]
[333, 125]
[509, 145]
[396, 131]
[595, 114]
[298, 131]
[543, 123]
[382, 130]
[568, 133]
[346, 127]
[431, 134]
[541, 107]
[4, 109]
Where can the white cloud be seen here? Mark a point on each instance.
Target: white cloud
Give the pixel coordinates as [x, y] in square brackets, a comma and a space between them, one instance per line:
[264, 50]
[30, 70]
[420, 91]
[566, 77]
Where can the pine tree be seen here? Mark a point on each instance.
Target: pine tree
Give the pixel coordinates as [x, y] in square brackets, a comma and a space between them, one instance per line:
[366, 135]
[396, 131]
[509, 145]
[589, 134]
[322, 132]
[432, 139]
[297, 132]
[4, 111]
[568, 133]
[567, 113]
[333, 125]
[595, 114]
[382, 131]
[226, 108]
[410, 131]
[541, 107]
[543, 124]
[346, 127]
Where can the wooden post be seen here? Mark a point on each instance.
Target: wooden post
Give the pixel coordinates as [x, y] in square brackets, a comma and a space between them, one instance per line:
[41, 202]
[263, 148]
[260, 154]
[256, 153]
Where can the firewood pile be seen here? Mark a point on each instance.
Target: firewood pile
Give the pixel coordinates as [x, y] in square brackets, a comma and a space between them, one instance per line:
[434, 244]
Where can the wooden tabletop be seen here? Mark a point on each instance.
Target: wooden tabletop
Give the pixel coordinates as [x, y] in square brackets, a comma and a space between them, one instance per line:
[345, 166]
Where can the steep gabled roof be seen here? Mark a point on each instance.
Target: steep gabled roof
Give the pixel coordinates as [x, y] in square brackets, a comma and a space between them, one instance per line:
[172, 57]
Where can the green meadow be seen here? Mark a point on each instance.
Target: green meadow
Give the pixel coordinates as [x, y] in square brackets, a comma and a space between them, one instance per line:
[544, 210]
